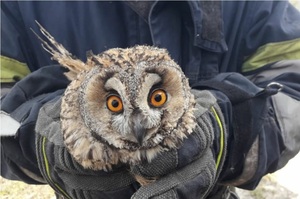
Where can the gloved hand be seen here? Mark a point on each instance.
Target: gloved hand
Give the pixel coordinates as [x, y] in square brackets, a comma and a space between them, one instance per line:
[190, 171]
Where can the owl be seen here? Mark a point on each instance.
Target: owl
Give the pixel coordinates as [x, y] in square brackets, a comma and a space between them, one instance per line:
[123, 106]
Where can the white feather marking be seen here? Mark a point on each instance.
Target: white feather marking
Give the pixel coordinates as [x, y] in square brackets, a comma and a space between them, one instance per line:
[121, 124]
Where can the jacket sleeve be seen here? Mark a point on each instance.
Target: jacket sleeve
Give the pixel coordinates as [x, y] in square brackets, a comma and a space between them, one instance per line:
[15, 45]
[19, 110]
[261, 106]
[23, 93]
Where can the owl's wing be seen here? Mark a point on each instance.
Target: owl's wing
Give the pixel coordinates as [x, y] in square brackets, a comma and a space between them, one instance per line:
[60, 54]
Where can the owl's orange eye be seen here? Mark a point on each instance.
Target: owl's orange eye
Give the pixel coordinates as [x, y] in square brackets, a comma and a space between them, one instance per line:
[158, 98]
[114, 103]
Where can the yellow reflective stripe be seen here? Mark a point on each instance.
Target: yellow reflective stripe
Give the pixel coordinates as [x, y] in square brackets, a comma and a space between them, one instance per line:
[273, 52]
[48, 170]
[11, 68]
[219, 157]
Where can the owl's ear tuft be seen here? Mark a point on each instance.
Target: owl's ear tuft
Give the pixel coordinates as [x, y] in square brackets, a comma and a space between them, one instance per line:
[60, 54]
[92, 59]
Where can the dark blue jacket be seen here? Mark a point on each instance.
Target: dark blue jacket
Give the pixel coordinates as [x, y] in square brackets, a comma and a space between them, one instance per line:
[214, 43]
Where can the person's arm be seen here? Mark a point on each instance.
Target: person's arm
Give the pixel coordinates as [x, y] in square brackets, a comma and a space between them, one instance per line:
[21, 106]
[22, 94]
[263, 105]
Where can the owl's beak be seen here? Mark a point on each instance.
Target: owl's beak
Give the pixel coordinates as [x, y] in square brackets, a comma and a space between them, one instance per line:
[139, 132]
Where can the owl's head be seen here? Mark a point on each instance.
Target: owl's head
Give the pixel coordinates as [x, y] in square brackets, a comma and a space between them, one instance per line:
[123, 105]
[133, 102]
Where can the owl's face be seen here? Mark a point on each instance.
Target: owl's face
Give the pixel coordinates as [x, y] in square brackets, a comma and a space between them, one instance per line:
[136, 102]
